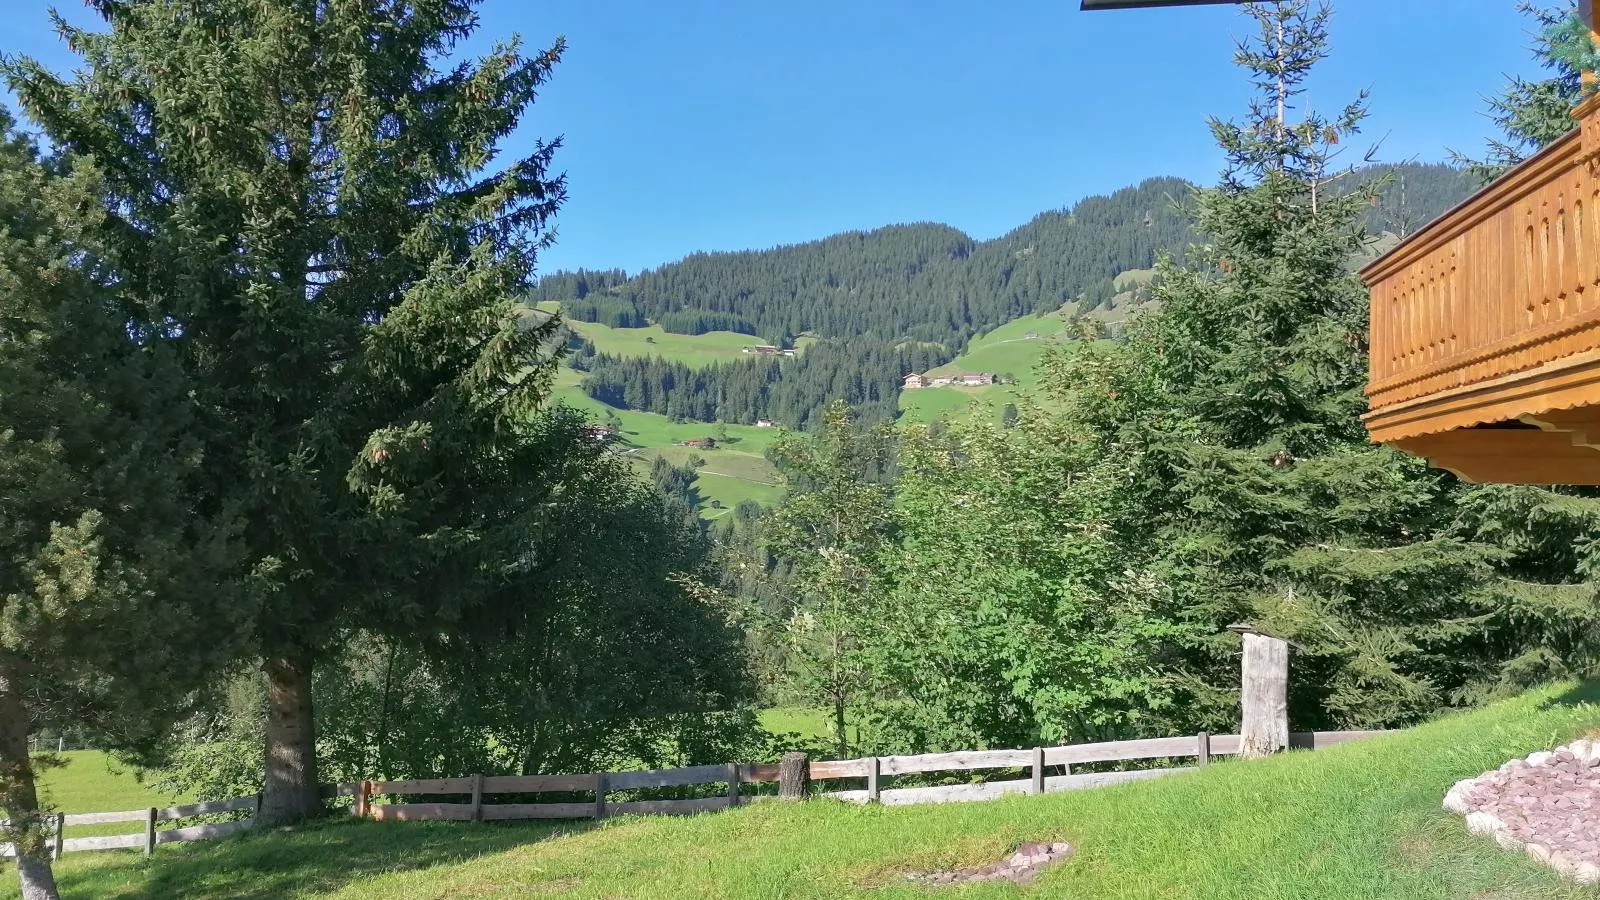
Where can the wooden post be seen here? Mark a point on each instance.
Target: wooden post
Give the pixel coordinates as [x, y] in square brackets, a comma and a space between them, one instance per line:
[359, 807]
[733, 785]
[794, 775]
[255, 809]
[477, 798]
[872, 779]
[600, 796]
[1203, 749]
[150, 832]
[1037, 785]
[61, 831]
[1264, 693]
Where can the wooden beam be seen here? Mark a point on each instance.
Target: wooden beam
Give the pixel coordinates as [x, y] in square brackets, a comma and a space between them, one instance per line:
[1581, 423]
[1509, 455]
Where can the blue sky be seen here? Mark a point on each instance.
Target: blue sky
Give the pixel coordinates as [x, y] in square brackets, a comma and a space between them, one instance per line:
[721, 125]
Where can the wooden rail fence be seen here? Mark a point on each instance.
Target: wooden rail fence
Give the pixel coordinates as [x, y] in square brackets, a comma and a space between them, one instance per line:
[795, 774]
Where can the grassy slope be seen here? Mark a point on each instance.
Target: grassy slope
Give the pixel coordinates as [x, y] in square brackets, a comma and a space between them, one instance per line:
[1357, 821]
[1006, 350]
[735, 472]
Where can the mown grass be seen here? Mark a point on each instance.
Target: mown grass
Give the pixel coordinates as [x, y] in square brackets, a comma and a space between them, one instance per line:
[80, 781]
[1355, 821]
[92, 781]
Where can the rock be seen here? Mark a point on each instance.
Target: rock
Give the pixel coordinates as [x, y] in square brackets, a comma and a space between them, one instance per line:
[1540, 758]
[1586, 873]
[1480, 822]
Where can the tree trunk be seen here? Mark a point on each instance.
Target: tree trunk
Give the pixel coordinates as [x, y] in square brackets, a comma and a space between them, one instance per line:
[290, 792]
[20, 800]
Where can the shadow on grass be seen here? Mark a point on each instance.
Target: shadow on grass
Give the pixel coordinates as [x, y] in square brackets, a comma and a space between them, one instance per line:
[313, 859]
[1587, 692]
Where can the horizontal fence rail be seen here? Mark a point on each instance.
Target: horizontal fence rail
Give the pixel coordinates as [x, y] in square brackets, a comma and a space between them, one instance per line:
[597, 805]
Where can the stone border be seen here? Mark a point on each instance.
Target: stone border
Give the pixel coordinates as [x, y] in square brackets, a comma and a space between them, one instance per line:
[1479, 822]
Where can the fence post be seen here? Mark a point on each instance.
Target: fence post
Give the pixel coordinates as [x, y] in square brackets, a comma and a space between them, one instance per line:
[1264, 693]
[600, 795]
[477, 798]
[1203, 749]
[733, 785]
[794, 773]
[1037, 786]
[358, 806]
[150, 832]
[872, 779]
[61, 830]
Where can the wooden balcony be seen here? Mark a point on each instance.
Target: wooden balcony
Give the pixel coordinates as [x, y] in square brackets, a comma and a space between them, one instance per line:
[1485, 334]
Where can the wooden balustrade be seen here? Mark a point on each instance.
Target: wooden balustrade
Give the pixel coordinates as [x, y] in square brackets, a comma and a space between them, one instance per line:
[1485, 330]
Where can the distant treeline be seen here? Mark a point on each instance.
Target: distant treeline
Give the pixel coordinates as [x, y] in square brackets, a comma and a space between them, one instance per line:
[792, 391]
[933, 283]
[607, 311]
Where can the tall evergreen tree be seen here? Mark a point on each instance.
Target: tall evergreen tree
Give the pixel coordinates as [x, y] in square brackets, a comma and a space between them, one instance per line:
[117, 603]
[1250, 490]
[307, 196]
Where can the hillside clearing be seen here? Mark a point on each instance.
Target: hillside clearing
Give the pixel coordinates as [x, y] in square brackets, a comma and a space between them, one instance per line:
[1355, 821]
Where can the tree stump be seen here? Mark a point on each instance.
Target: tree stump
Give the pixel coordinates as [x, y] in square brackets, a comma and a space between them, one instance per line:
[794, 776]
[1264, 693]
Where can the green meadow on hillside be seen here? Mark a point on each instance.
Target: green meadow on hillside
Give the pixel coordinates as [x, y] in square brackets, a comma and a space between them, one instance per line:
[735, 471]
[729, 476]
[1011, 350]
[693, 350]
[1351, 822]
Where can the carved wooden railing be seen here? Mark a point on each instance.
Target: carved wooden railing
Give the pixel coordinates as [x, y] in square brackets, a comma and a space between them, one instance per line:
[1492, 312]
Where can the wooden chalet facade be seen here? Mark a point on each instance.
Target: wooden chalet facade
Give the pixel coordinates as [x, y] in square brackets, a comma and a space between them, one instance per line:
[1485, 329]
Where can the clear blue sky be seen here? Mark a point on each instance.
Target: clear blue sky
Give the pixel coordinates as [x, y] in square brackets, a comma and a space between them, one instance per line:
[718, 125]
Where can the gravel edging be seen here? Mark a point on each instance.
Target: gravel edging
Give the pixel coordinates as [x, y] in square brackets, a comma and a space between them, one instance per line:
[1546, 805]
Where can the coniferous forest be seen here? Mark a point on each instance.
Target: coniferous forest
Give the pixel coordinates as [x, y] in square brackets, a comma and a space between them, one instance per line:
[290, 493]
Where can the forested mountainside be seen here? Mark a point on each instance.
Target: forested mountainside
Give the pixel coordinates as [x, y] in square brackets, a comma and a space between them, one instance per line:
[1417, 194]
[931, 282]
[923, 281]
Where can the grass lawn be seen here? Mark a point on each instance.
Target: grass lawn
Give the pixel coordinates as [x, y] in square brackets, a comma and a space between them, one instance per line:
[92, 781]
[801, 720]
[1356, 821]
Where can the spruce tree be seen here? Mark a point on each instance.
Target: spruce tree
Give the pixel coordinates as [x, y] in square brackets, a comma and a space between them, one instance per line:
[1250, 491]
[116, 601]
[308, 196]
